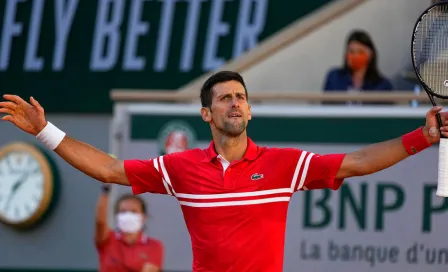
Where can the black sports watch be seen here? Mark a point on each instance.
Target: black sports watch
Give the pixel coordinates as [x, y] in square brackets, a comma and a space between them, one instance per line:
[105, 188]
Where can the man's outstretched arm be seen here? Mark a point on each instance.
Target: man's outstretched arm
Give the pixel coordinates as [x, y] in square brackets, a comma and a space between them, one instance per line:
[376, 157]
[30, 117]
[372, 158]
[91, 161]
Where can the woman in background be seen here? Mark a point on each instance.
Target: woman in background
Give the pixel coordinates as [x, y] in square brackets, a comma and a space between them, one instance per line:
[360, 71]
[125, 248]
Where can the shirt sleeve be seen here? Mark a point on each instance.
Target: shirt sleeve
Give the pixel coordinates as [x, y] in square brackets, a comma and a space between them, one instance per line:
[328, 84]
[101, 245]
[157, 255]
[315, 171]
[149, 176]
[385, 85]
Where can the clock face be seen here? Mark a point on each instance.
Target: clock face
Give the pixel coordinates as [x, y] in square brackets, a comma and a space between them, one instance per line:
[22, 186]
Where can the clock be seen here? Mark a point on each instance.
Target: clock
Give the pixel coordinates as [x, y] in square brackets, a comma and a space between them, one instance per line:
[28, 183]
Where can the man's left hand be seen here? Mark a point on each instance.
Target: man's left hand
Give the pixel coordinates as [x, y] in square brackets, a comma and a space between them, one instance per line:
[431, 129]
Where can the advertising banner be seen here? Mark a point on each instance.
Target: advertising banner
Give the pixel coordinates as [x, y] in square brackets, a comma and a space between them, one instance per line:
[69, 54]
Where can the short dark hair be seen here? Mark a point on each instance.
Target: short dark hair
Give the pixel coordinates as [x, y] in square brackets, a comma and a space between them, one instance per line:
[130, 197]
[222, 76]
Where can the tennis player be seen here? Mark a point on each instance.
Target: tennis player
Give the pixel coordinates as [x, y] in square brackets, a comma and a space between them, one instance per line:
[234, 194]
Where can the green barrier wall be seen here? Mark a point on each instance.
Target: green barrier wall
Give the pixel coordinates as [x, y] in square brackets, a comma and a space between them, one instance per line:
[69, 55]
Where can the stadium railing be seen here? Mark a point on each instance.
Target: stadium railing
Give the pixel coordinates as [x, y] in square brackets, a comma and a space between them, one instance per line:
[311, 97]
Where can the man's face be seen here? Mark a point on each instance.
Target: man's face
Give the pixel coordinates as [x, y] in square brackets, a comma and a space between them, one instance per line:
[229, 111]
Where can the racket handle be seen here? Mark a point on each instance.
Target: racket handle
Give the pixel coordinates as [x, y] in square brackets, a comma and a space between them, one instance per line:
[442, 182]
[439, 120]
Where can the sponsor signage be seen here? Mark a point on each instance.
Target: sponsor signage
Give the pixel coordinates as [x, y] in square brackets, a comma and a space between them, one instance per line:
[69, 54]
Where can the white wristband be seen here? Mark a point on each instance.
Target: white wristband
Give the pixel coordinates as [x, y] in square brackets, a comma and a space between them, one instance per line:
[51, 136]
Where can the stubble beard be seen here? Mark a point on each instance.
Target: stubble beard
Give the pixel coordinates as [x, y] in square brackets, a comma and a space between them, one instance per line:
[234, 129]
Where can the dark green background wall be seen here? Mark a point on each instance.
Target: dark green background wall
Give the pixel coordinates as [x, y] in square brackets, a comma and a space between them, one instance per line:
[73, 85]
[340, 130]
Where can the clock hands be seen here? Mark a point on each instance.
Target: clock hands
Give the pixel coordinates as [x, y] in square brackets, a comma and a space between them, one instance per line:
[15, 187]
[19, 183]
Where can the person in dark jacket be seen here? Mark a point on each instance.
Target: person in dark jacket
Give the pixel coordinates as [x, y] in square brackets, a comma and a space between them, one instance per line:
[359, 71]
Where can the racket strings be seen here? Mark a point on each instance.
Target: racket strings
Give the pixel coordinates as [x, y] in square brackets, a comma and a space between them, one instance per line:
[431, 49]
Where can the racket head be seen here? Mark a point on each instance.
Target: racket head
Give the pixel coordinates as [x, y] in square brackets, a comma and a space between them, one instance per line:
[429, 49]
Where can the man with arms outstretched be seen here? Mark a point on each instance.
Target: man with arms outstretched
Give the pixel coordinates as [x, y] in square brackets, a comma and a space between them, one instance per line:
[234, 195]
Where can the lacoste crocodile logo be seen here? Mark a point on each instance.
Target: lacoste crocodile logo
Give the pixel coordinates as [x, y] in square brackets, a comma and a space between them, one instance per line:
[256, 176]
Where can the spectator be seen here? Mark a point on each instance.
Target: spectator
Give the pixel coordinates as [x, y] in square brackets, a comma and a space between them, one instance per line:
[360, 71]
[128, 248]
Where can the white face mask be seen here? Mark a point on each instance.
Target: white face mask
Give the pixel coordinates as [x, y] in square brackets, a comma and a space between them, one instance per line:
[129, 222]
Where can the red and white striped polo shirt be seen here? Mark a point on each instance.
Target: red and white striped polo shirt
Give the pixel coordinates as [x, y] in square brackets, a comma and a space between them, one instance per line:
[235, 212]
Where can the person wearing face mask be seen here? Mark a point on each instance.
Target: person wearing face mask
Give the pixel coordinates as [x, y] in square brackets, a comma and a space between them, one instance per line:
[127, 248]
[360, 71]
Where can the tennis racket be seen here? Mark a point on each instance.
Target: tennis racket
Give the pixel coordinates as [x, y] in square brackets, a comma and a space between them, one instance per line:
[430, 61]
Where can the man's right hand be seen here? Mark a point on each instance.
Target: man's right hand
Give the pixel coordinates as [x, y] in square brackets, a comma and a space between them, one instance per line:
[28, 117]
[84, 157]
